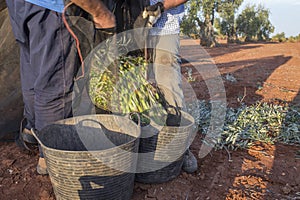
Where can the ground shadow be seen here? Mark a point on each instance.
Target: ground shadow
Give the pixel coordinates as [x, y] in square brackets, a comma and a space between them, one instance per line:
[273, 176]
[249, 77]
[289, 179]
[242, 79]
[230, 48]
[296, 101]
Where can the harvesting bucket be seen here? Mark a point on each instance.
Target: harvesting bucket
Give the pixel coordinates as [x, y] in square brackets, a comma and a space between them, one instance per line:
[161, 150]
[91, 157]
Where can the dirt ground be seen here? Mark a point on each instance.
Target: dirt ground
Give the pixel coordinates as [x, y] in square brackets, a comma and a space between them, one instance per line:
[263, 71]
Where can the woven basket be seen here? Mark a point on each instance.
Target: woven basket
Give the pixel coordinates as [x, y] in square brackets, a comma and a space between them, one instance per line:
[161, 150]
[90, 157]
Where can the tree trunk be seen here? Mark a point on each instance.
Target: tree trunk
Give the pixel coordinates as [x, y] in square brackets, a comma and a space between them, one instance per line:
[207, 33]
[248, 38]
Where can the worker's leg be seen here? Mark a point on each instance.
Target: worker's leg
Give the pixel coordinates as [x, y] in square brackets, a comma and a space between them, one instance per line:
[54, 61]
[166, 68]
[167, 73]
[48, 63]
[17, 12]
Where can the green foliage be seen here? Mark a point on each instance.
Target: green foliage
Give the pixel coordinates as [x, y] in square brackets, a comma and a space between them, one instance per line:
[261, 122]
[217, 26]
[294, 38]
[189, 27]
[227, 11]
[279, 37]
[243, 126]
[201, 13]
[254, 24]
[200, 19]
[127, 91]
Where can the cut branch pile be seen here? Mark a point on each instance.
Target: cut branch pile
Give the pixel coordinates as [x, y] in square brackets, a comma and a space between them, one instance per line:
[243, 126]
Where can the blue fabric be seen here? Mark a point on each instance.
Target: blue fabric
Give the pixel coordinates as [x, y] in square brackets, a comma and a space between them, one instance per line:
[48, 62]
[55, 5]
[169, 22]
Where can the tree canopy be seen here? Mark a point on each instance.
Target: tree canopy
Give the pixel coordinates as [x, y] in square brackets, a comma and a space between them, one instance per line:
[204, 16]
[253, 23]
[227, 22]
[201, 13]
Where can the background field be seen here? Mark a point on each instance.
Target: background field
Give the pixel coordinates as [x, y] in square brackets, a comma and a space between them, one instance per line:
[263, 72]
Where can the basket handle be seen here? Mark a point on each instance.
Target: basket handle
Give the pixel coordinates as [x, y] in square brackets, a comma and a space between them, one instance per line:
[34, 133]
[131, 115]
[91, 120]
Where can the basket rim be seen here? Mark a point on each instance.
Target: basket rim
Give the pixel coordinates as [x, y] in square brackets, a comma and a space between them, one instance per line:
[185, 114]
[135, 138]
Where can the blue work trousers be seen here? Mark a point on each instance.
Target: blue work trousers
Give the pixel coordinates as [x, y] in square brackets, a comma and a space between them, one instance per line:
[48, 62]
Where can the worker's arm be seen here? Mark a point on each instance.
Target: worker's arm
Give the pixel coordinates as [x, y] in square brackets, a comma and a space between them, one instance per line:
[153, 12]
[102, 16]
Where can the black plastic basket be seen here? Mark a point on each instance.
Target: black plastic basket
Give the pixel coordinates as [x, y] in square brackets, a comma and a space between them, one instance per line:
[91, 157]
[161, 150]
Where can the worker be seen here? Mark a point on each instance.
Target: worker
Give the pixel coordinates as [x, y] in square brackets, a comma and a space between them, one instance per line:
[166, 71]
[48, 59]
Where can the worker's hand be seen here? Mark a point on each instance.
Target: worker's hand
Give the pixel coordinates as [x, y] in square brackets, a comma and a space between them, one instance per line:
[159, 6]
[144, 21]
[153, 13]
[105, 20]
[105, 26]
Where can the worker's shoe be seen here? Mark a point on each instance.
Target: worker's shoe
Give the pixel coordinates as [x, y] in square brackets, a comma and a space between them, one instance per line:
[26, 134]
[190, 164]
[42, 167]
[28, 137]
[25, 138]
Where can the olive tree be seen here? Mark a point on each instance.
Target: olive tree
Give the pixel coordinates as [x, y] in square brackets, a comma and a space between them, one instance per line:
[200, 16]
[254, 24]
[227, 11]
